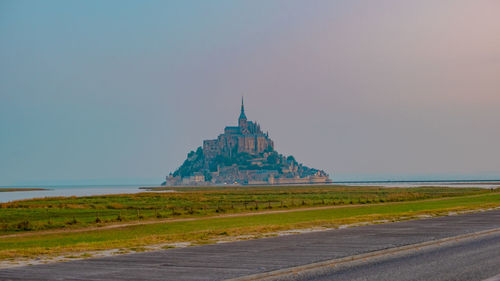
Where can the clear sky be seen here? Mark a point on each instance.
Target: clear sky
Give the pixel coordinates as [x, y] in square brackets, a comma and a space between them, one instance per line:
[120, 91]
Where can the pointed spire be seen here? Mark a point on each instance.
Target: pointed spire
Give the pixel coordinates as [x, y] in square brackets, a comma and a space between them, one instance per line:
[242, 114]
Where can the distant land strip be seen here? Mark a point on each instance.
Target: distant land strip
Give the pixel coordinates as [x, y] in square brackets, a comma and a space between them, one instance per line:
[13, 189]
[422, 181]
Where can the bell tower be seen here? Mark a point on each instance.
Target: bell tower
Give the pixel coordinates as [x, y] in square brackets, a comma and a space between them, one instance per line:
[242, 121]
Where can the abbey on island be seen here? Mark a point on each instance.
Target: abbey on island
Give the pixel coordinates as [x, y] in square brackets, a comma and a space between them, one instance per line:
[243, 154]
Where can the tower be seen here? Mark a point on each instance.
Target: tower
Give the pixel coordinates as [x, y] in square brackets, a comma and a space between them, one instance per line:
[242, 121]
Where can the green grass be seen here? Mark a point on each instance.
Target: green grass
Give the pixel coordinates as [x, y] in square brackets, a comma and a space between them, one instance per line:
[203, 230]
[79, 212]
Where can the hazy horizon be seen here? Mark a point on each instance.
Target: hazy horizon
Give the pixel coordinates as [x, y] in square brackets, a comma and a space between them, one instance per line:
[120, 91]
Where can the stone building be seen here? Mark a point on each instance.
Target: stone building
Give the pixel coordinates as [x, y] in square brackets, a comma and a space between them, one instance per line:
[247, 137]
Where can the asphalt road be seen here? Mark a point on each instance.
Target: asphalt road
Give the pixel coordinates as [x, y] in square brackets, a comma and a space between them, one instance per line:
[469, 260]
[231, 260]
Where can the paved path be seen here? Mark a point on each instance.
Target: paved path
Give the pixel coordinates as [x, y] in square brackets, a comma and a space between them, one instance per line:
[230, 260]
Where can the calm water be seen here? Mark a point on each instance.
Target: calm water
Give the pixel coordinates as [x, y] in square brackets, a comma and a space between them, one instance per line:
[79, 190]
[87, 190]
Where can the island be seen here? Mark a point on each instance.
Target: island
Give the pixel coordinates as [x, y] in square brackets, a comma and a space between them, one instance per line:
[243, 155]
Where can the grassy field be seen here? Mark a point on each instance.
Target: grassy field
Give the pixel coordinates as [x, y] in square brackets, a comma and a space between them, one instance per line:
[369, 204]
[78, 212]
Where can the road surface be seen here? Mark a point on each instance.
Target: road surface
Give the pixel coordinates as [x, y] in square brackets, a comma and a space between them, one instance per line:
[470, 259]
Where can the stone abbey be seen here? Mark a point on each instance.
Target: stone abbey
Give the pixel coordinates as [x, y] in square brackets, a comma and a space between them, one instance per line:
[243, 154]
[247, 137]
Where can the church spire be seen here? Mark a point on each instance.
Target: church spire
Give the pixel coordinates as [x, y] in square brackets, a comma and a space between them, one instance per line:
[242, 114]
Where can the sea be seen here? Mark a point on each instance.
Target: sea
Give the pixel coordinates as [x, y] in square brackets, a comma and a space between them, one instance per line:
[67, 190]
[89, 190]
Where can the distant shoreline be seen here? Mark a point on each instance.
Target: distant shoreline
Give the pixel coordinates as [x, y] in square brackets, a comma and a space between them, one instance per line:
[14, 189]
[347, 183]
[423, 181]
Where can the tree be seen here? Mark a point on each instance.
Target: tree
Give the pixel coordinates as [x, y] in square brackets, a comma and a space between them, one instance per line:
[273, 158]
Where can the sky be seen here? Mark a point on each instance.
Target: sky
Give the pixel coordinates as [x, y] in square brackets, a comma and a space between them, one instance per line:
[120, 91]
